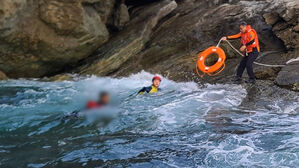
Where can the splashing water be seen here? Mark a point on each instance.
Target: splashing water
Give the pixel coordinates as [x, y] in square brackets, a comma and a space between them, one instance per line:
[184, 125]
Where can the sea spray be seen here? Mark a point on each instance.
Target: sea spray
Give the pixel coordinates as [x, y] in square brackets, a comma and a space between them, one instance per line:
[184, 125]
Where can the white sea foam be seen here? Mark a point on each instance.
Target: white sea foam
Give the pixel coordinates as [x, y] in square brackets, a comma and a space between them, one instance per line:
[184, 125]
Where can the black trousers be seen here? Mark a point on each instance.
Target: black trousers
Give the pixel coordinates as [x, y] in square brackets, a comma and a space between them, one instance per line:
[247, 62]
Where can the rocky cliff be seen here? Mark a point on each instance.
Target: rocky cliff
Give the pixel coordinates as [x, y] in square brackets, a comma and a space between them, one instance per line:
[42, 37]
[119, 37]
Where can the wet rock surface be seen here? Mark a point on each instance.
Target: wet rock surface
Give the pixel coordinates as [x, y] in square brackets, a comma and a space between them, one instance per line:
[58, 78]
[263, 91]
[3, 76]
[129, 42]
[189, 29]
[121, 37]
[283, 16]
[289, 76]
[39, 38]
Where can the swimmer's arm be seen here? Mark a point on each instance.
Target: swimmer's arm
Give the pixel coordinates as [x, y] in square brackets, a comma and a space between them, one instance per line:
[142, 91]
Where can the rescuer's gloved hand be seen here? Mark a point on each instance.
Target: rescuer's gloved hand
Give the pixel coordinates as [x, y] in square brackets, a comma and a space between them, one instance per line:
[224, 38]
[243, 48]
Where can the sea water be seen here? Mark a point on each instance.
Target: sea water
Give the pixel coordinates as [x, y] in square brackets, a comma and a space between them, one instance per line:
[184, 125]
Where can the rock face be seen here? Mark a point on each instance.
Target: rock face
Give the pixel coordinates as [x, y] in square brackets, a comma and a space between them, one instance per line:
[104, 8]
[39, 38]
[63, 17]
[3, 76]
[129, 42]
[194, 26]
[121, 16]
[289, 76]
[120, 37]
[59, 78]
[283, 16]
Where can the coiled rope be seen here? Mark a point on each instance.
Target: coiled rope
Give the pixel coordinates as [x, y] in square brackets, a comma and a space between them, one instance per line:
[257, 63]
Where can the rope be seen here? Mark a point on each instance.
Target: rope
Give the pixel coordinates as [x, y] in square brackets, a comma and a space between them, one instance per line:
[219, 71]
[200, 75]
[219, 43]
[293, 60]
[257, 63]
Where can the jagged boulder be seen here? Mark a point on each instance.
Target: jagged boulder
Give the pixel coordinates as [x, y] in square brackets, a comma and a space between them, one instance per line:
[114, 13]
[128, 42]
[59, 77]
[105, 9]
[121, 16]
[3, 76]
[283, 16]
[39, 38]
[61, 16]
[289, 76]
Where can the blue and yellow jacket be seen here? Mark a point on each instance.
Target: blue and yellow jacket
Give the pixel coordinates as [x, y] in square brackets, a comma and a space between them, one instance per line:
[150, 89]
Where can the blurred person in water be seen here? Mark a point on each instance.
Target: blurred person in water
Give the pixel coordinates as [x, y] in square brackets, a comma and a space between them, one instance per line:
[104, 100]
[153, 88]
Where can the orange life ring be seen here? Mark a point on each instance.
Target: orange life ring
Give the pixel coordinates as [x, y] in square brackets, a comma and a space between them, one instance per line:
[217, 67]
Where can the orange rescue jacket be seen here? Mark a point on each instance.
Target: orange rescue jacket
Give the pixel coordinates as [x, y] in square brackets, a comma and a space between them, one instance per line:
[249, 39]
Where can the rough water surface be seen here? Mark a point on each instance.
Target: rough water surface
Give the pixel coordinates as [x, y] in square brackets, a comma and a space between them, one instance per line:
[184, 125]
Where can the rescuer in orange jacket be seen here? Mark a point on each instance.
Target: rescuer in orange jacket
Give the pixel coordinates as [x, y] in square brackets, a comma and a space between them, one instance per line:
[250, 48]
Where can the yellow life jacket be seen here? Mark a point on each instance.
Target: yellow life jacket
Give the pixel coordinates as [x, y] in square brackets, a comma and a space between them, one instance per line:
[150, 89]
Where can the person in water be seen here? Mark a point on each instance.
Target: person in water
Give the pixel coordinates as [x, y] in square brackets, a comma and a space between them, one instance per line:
[104, 99]
[153, 88]
[250, 48]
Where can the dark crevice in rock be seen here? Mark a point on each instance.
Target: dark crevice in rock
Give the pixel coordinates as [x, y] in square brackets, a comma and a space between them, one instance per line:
[137, 3]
